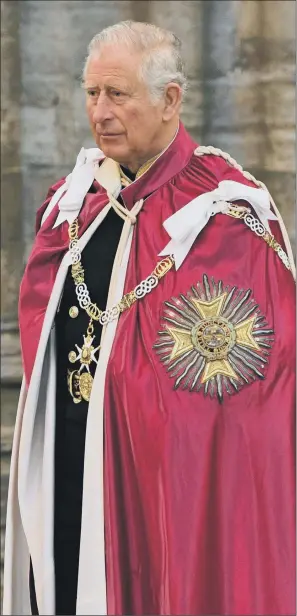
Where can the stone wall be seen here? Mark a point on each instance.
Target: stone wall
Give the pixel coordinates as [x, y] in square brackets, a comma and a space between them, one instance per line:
[11, 188]
[240, 56]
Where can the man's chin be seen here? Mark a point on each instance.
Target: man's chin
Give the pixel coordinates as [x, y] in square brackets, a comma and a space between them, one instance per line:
[112, 151]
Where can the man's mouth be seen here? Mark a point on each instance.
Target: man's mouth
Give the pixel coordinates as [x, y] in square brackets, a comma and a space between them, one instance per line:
[109, 135]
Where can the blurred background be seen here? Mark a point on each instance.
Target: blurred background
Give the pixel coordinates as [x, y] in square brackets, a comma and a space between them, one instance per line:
[240, 59]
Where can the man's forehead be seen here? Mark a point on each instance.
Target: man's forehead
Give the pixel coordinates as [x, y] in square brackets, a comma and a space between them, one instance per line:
[116, 60]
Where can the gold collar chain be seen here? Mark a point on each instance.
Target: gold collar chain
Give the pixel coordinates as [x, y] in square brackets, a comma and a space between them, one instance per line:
[82, 293]
[244, 213]
[80, 380]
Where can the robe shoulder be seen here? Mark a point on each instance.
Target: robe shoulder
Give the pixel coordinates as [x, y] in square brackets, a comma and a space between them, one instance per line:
[208, 170]
[50, 193]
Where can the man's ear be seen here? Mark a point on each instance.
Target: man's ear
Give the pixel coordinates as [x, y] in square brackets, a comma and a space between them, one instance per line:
[173, 99]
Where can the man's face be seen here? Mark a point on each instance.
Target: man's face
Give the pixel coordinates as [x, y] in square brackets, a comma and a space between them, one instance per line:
[126, 125]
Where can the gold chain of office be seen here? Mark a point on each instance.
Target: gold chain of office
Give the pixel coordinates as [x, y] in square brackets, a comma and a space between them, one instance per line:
[92, 310]
[80, 380]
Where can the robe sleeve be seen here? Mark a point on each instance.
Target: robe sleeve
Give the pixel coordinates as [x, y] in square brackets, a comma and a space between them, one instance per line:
[43, 207]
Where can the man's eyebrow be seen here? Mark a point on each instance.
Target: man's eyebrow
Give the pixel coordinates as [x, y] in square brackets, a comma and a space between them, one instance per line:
[112, 86]
[115, 87]
[89, 87]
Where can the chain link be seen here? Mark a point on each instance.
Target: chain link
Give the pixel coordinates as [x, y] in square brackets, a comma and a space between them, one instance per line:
[255, 225]
[109, 315]
[146, 286]
[282, 255]
[82, 293]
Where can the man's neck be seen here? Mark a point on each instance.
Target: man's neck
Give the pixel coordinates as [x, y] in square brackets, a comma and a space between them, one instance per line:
[129, 174]
[138, 168]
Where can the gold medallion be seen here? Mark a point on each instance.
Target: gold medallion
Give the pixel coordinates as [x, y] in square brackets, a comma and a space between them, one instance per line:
[80, 381]
[214, 337]
[85, 385]
[72, 357]
[73, 312]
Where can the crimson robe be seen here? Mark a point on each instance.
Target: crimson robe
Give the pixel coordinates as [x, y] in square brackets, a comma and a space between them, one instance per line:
[199, 490]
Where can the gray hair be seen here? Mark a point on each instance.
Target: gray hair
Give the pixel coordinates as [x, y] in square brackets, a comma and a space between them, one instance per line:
[161, 49]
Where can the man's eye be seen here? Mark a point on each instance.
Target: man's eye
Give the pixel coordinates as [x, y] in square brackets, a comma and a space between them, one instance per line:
[116, 93]
[92, 93]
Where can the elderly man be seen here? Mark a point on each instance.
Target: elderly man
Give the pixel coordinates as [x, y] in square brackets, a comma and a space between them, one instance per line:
[152, 466]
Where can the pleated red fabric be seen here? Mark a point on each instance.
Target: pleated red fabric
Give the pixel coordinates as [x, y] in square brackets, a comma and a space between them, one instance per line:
[199, 478]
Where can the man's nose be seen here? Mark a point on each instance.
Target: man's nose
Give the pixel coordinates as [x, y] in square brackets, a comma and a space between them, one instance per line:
[102, 110]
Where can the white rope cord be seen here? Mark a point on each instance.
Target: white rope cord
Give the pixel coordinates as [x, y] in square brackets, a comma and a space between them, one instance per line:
[119, 256]
[129, 220]
[125, 182]
[202, 150]
[122, 211]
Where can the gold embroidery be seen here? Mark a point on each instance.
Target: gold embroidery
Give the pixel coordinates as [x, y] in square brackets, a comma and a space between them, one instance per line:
[214, 338]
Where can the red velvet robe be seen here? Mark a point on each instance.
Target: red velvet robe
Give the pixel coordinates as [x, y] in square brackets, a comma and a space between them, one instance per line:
[199, 494]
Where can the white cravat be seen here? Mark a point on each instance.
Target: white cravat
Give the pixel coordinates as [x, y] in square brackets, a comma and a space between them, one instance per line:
[75, 187]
